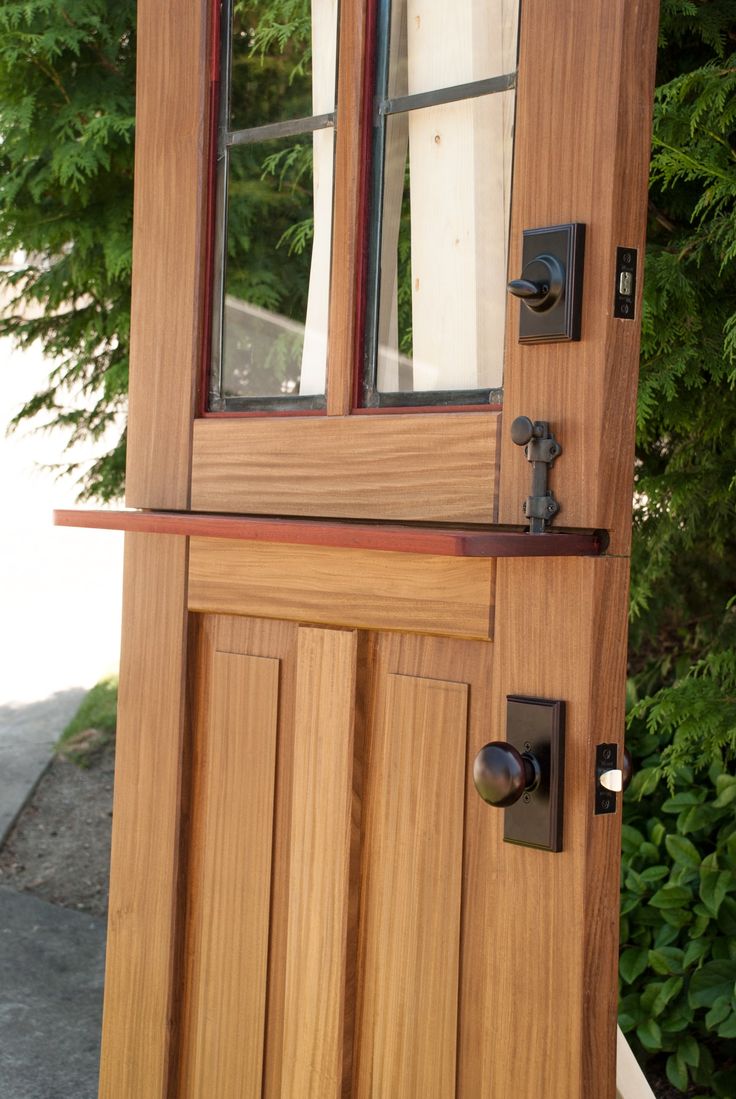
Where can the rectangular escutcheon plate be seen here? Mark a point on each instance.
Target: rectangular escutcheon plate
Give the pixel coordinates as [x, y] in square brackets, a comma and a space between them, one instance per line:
[537, 726]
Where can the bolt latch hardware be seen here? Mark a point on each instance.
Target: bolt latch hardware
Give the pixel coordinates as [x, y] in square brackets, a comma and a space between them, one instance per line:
[610, 779]
[541, 448]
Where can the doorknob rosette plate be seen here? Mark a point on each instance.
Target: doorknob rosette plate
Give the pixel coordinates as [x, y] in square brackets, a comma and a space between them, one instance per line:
[525, 773]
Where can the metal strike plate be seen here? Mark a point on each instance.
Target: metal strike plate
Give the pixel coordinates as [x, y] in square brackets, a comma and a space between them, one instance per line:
[624, 303]
[537, 725]
[566, 243]
[606, 760]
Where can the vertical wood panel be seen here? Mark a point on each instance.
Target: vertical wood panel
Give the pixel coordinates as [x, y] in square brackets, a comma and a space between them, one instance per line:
[269, 638]
[540, 930]
[144, 910]
[410, 915]
[347, 230]
[319, 888]
[583, 125]
[168, 248]
[230, 881]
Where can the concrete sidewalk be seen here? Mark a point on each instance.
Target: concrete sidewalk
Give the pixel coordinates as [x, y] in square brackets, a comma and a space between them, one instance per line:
[51, 975]
[51, 958]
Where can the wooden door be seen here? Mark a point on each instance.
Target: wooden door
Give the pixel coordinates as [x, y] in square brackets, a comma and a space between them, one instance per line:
[325, 613]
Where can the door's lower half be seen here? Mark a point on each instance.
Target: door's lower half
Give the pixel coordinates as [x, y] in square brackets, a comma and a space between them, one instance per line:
[309, 900]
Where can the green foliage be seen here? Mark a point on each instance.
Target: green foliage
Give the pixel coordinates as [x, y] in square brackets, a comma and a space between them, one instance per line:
[94, 723]
[678, 921]
[67, 76]
[678, 924]
[682, 576]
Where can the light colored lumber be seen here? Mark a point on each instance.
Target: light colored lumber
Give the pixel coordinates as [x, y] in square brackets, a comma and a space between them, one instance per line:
[144, 911]
[435, 467]
[229, 882]
[319, 892]
[324, 64]
[357, 588]
[410, 912]
[631, 1083]
[167, 309]
[582, 154]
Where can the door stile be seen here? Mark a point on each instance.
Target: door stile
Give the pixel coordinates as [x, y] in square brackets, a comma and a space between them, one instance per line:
[582, 155]
[143, 944]
[169, 247]
[540, 937]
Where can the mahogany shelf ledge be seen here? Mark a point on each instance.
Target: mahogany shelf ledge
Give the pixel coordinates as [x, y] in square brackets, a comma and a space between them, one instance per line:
[441, 541]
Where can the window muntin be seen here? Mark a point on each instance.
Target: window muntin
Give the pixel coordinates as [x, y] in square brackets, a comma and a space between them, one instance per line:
[440, 202]
[274, 188]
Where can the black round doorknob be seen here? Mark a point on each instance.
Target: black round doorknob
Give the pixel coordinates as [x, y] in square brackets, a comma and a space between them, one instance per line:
[502, 774]
[541, 285]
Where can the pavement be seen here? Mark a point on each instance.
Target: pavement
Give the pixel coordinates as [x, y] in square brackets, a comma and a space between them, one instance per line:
[51, 958]
[60, 601]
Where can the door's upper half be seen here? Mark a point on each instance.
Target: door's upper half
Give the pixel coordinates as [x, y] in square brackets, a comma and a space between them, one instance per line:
[363, 178]
[436, 192]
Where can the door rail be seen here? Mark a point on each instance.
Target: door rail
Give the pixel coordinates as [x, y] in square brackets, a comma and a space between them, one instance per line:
[344, 534]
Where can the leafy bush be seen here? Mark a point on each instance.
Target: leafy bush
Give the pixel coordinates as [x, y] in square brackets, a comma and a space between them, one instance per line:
[678, 919]
[94, 724]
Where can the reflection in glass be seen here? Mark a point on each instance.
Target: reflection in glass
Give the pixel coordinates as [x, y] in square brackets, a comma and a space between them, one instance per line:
[446, 191]
[283, 60]
[276, 286]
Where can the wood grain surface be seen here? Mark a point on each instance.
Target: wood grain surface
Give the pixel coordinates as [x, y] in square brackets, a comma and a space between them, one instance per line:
[547, 924]
[347, 235]
[356, 588]
[150, 773]
[581, 154]
[437, 467]
[168, 248]
[320, 886]
[229, 881]
[401, 538]
[410, 913]
[273, 640]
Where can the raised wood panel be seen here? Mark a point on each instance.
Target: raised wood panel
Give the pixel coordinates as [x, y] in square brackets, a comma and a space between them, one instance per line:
[314, 1043]
[581, 154]
[272, 639]
[229, 885]
[144, 911]
[547, 925]
[435, 467]
[168, 248]
[357, 588]
[411, 882]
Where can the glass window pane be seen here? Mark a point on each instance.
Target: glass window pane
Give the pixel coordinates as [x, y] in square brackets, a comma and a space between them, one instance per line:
[277, 268]
[436, 44]
[444, 244]
[283, 59]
